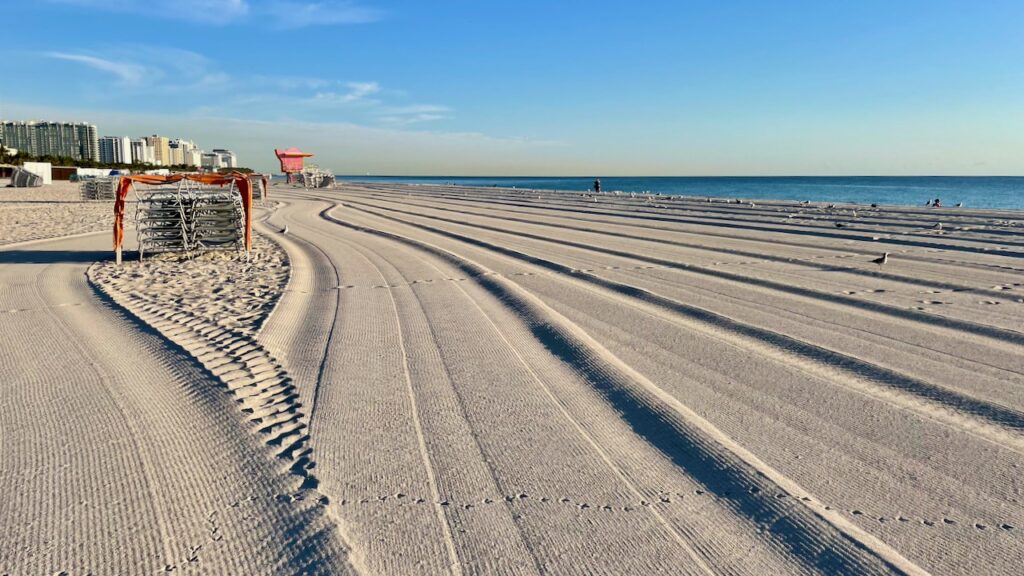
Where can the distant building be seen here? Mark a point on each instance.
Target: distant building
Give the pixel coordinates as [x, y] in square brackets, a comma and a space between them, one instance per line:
[228, 159]
[211, 161]
[161, 149]
[78, 140]
[142, 152]
[185, 152]
[116, 150]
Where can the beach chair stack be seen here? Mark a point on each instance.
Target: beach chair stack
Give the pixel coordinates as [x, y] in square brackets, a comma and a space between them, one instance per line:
[21, 178]
[316, 177]
[217, 220]
[189, 219]
[259, 192]
[99, 188]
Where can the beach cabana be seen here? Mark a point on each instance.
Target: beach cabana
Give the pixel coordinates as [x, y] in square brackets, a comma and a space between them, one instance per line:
[239, 180]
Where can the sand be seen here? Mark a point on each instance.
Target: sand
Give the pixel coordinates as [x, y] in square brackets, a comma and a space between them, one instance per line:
[428, 380]
[49, 211]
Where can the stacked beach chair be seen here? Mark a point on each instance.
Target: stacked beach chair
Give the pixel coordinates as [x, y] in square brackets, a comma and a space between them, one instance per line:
[259, 191]
[187, 218]
[22, 178]
[316, 177]
[99, 188]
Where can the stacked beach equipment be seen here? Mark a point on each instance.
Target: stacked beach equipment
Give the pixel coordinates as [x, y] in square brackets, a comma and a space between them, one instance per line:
[99, 188]
[186, 213]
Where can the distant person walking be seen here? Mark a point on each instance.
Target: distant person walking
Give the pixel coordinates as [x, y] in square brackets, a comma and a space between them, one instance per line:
[937, 203]
[597, 185]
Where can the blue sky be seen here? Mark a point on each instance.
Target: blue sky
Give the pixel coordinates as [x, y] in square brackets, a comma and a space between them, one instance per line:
[540, 88]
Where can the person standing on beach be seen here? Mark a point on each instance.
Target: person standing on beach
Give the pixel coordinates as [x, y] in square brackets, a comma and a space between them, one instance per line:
[597, 185]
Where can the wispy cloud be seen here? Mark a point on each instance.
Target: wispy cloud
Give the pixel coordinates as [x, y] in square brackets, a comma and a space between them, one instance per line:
[296, 14]
[150, 68]
[127, 72]
[412, 114]
[173, 78]
[282, 14]
[204, 11]
[357, 92]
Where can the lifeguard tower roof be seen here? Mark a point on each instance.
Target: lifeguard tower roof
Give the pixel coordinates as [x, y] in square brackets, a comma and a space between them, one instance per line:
[291, 159]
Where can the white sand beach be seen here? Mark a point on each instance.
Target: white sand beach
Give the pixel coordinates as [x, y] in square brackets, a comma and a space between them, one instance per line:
[450, 380]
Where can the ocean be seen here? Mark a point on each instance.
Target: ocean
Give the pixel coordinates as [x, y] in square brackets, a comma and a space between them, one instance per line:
[999, 192]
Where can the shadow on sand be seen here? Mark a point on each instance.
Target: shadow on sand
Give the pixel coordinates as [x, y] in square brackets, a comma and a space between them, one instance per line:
[54, 256]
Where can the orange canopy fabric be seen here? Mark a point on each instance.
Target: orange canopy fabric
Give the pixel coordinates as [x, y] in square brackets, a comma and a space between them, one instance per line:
[239, 179]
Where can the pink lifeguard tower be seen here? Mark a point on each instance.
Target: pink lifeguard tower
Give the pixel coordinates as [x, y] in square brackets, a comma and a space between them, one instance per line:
[292, 161]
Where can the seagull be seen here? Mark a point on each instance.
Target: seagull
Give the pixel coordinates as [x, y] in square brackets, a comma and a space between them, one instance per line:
[881, 260]
[959, 204]
[284, 230]
[938, 226]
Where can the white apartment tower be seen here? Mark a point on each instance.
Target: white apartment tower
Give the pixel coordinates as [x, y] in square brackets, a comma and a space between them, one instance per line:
[228, 159]
[211, 161]
[142, 153]
[116, 150]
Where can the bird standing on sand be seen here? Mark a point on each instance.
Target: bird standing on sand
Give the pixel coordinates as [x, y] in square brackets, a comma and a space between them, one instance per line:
[284, 230]
[881, 260]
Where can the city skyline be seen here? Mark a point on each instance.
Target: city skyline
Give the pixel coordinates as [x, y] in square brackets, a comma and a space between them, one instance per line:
[59, 138]
[693, 88]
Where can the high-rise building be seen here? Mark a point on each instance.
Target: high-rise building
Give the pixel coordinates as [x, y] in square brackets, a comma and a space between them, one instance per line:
[184, 152]
[77, 140]
[161, 149]
[228, 159]
[142, 152]
[211, 161]
[116, 150]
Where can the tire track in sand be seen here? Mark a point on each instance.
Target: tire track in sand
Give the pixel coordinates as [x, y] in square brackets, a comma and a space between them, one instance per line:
[616, 470]
[758, 255]
[260, 385]
[819, 536]
[998, 334]
[987, 420]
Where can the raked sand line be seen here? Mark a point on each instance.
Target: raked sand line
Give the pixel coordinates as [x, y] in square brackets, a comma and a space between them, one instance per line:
[822, 538]
[261, 386]
[880, 236]
[259, 383]
[734, 224]
[816, 262]
[997, 423]
[998, 334]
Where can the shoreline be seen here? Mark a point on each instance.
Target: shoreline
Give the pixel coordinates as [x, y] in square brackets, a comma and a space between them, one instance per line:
[585, 186]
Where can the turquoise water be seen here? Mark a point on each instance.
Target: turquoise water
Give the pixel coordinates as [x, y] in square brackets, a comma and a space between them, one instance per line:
[1006, 192]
